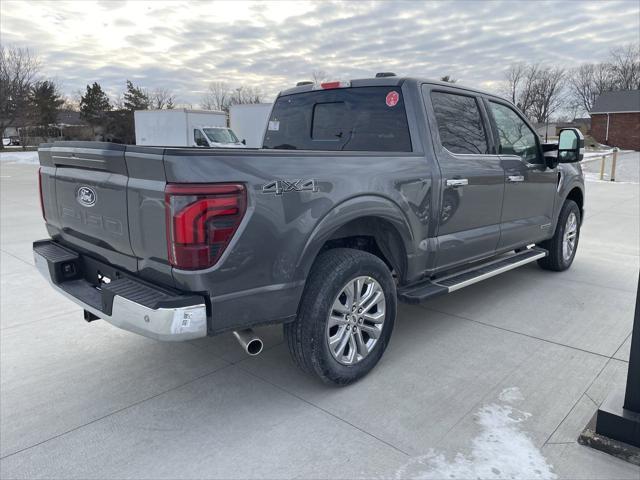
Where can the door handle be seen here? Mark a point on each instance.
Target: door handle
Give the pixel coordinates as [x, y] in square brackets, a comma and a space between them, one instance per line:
[457, 182]
[516, 178]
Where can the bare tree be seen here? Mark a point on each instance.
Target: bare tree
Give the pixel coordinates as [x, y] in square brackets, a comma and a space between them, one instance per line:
[220, 96]
[513, 80]
[546, 93]
[448, 79]
[621, 72]
[319, 76]
[118, 101]
[216, 97]
[162, 98]
[625, 65]
[587, 82]
[243, 95]
[520, 79]
[18, 71]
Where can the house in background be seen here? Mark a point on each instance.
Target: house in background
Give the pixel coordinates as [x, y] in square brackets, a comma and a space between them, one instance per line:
[582, 124]
[615, 119]
[68, 126]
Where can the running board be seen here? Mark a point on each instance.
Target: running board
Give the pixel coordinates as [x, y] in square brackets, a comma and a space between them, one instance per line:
[426, 289]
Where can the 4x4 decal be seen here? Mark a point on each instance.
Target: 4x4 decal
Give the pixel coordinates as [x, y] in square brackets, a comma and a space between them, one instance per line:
[283, 186]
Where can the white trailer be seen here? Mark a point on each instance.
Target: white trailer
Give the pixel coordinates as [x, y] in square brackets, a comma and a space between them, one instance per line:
[249, 122]
[184, 128]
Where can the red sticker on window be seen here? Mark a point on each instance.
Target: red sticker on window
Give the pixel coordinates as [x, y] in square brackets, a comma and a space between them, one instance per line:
[392, 99]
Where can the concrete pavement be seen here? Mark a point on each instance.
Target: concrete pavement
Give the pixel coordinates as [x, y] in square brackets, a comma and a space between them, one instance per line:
[495, 380]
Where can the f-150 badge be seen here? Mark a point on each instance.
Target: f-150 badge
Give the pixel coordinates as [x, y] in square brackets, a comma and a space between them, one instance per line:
[283, 186]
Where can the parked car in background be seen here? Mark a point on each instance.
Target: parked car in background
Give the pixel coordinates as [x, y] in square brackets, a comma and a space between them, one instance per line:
[11, 141]
[184, 128]
[365, 193]
[249, 122]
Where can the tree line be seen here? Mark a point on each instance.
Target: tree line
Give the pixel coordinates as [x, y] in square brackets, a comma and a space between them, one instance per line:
[25, 98]
[545, 91]
[31, 103]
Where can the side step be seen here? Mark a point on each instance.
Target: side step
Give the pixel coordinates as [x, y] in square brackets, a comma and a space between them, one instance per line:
[426, 289]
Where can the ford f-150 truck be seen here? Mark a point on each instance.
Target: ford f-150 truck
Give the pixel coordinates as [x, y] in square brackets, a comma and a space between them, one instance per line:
[365, 193]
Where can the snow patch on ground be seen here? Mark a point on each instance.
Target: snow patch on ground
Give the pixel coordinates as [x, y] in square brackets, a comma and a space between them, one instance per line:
[511, 395]
[500, 451]
[29, 158]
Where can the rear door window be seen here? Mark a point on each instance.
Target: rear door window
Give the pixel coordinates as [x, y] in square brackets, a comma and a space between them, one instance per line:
[459, 123]
[349, 119]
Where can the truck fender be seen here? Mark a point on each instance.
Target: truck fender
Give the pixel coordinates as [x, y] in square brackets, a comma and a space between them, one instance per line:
[564, 193]
[363, 206]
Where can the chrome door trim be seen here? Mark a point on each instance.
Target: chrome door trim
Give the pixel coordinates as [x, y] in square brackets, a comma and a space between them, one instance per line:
[515, 178]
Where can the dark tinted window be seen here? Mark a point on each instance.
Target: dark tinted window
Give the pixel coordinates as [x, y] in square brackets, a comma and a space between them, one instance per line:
[459, 123]
[330, 121]
[515, 136]
[350, 119]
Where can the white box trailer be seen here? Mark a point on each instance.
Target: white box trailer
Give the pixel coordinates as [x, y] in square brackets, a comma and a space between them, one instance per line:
[183, 128]
[249, 122]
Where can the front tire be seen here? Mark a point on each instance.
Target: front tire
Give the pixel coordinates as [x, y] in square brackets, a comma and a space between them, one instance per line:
[563, 245]
[345, 318]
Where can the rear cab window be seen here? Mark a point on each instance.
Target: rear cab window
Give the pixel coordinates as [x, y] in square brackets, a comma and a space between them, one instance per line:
[346, 119]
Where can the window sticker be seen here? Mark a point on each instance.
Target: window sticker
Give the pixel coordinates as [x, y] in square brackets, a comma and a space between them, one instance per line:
[274, 125]
[392, 98]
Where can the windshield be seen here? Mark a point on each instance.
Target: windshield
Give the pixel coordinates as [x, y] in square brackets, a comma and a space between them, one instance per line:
[220, 135]
[349, 119]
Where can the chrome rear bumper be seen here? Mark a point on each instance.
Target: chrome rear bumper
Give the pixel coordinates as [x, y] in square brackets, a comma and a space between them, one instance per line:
[185, 320]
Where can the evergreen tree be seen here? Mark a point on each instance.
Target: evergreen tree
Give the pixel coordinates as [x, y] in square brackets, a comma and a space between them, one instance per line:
[93, 104]
[136, 98]
[45, 101]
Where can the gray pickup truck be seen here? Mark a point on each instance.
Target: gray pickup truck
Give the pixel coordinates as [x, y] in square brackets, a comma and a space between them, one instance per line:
[365, 193]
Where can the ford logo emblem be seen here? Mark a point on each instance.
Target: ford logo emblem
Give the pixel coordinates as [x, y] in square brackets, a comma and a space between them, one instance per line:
[86, 196]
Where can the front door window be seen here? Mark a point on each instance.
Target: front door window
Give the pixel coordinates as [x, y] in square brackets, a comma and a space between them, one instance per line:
[514, 135]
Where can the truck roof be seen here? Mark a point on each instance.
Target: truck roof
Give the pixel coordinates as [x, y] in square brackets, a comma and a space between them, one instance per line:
[391, 82]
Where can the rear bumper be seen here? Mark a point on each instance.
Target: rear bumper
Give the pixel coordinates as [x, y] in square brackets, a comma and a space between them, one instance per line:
[125, 302]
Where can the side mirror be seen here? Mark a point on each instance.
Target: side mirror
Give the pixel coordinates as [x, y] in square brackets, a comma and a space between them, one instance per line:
[570, 145]
[244, 141]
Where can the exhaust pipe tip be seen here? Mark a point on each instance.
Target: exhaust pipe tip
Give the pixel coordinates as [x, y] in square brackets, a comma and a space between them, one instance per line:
[254, 347]
[249, 341]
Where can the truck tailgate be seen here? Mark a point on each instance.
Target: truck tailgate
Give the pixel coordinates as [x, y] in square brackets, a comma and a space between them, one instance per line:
[89, 191]
[91, 194]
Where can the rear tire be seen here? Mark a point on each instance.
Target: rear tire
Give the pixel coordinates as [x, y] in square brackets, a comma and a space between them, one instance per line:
[563, 245]
[330, 337]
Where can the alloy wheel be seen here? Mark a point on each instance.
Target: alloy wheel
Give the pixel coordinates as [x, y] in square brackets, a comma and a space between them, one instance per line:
[356, 319]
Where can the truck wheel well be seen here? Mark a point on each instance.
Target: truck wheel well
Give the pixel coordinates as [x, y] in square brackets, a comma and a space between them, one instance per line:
[373, 235]
[576, 196]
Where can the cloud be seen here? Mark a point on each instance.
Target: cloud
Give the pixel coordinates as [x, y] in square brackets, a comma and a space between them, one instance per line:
[183, 46]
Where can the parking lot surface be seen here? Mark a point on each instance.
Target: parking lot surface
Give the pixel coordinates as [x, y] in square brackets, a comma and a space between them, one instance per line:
[494, 380]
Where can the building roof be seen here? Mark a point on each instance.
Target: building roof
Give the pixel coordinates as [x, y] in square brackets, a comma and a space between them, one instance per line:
[617, 102]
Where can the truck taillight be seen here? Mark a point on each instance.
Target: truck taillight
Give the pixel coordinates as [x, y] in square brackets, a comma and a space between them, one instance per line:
[201, 220]
[40, 191]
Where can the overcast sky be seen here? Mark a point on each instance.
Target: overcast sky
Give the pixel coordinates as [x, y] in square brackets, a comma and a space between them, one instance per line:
[183, 46]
